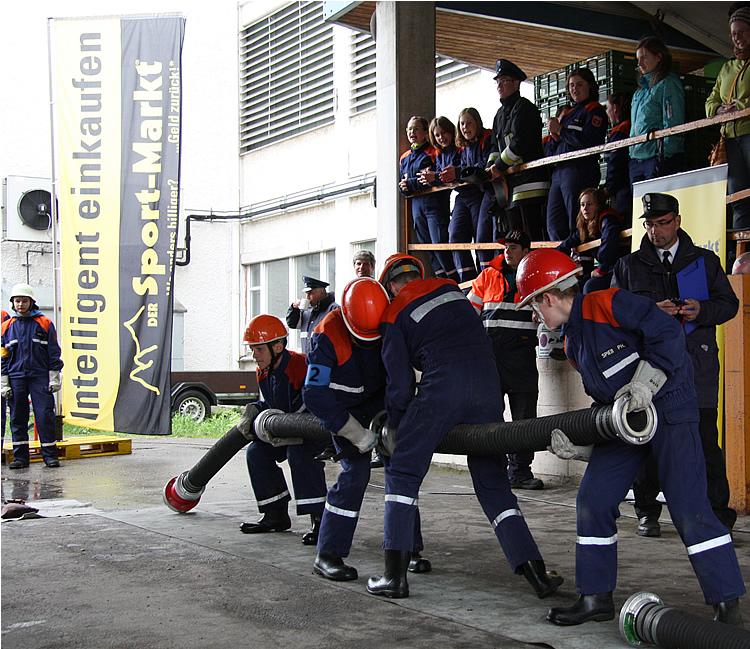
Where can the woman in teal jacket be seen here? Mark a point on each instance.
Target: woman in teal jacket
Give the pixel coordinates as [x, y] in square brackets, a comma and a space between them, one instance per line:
[658, 103]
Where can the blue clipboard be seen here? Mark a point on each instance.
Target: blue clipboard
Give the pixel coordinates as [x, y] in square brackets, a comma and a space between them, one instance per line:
[692, 283]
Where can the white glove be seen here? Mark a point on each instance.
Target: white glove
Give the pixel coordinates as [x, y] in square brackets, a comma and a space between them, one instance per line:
[565, 449]
[363, 438]
[54, 381]
[262, 433]
[646, 382]
[6, 390]
[246, 421]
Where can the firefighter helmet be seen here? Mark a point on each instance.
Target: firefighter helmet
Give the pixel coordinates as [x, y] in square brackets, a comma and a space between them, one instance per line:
[543, 269]
[397, 264]
[264, 329]
[362, 306]
[22, 290]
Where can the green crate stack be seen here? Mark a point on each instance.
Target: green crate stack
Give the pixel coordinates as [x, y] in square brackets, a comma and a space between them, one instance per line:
[698, 143]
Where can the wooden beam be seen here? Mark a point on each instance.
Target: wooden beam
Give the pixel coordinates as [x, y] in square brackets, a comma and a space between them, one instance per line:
[737, 398]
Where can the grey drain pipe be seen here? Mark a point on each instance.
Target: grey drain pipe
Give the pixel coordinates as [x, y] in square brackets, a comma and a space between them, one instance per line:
[645, 619]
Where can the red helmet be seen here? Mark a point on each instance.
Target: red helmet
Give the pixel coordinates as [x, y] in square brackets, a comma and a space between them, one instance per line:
[362, 306]
[543, 269]
[264, 329]
[397, 264]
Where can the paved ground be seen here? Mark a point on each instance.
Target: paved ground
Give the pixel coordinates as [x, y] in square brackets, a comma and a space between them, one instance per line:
[123, 571]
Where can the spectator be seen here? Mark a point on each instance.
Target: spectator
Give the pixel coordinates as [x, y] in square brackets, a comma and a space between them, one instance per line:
[430, 212]
[658, 103]
[471, 219]
[429, 326]
[31, 367]
[280, 374]
[513, 336]
[517, 138]
[364, 263]
[653, 271]
[595, 221]
[617, 184]
[584, 126]
[344, 389]
[306, 314]
[442, 135]
[741, 264]
[730, 94]
[3, 318]
[623, 345]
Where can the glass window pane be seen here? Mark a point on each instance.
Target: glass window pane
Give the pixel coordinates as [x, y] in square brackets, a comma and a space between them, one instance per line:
[306, 265]
[331, 270]
[277, 287]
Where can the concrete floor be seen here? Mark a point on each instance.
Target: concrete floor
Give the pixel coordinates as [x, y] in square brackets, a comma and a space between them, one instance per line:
[124, 571]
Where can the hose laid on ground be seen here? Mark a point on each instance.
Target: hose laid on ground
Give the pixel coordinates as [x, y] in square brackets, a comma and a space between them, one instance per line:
[644, 618]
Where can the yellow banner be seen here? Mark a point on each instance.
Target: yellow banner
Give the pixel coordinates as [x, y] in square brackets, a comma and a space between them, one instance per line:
[86, 70]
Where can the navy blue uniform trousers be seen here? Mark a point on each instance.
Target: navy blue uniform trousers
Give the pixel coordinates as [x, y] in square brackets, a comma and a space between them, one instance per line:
[269, 484]
[682, 473]
[436, 408]
[44, 417]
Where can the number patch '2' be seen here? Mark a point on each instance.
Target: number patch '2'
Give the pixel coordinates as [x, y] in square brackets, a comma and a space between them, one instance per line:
[318, 375]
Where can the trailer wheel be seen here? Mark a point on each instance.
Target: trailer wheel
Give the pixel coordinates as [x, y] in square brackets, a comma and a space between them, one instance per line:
[193, 404]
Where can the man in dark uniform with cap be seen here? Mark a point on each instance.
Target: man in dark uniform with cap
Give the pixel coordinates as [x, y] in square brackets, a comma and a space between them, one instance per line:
[655, 271]
[516, 139]
[306, 318]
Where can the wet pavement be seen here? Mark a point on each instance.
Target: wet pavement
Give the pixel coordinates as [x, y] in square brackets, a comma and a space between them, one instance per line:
[122, 570]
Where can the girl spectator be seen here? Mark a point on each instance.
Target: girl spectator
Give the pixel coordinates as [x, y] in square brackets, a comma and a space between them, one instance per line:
[617, 185]
[470, 211]
[595, 221]
[732, 93]
[658, 103]
[442, 135]
[430, 212]
[583, 127]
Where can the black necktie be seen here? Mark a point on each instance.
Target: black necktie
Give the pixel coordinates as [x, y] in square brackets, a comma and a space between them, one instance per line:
[666, 262]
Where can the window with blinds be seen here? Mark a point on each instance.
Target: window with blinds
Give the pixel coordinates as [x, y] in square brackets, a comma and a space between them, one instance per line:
[363, 72]
[286, 75]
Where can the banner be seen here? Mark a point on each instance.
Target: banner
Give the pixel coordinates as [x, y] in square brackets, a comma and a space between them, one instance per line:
[116, 88]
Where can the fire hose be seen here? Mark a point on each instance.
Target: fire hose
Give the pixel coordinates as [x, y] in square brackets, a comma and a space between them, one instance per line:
[645, 619]
[583, 427]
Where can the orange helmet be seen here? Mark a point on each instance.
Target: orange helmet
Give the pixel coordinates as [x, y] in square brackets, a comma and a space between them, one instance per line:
[264, 329]
[543, 269]
[397, 264]
[362, 306]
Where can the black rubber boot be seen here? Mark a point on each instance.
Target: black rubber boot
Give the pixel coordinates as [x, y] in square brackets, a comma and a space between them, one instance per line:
[311, 537]
[393, 582]
[544, 583]
[729, 613]
[598, 608]
[417, 563]
[333, 568]
[274, 520]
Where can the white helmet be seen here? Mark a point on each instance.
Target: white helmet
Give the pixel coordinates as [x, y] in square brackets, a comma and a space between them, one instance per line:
[22, 290]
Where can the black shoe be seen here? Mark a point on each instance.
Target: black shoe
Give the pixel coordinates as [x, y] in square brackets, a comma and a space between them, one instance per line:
[528, 483]
[311, 537]
[52, 464]
[273, 521]
[598, 608]
[649, 526]
[393, 582]
[18, 464]
[418, 564]
[327, 453]
[729, 613]
[544, 583]
[377, 461]
[333, 568]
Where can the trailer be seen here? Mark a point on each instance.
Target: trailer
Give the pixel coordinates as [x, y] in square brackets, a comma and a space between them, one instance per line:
[194, 393]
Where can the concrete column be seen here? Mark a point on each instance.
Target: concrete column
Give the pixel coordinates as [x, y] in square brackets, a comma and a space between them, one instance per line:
[405, 48]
